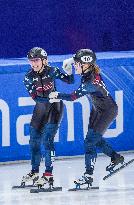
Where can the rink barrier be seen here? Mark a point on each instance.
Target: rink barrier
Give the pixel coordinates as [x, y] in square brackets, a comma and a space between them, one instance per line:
[16, 108]
[61, 158]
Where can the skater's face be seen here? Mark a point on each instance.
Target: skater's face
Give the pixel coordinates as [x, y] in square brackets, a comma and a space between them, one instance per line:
[79, 68]
[38, 64]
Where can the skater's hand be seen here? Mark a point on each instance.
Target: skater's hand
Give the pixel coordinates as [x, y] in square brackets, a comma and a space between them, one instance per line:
[67, 65]
[54, 100]
[53, 95]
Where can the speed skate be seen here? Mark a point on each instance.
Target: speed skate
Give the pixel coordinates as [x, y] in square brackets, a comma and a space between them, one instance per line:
[29, 178]
[41, 188]
[85, 183]
[113, 171]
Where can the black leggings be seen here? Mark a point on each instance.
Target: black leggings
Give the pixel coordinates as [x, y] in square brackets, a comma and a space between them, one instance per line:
[46, 113]
[100, 119]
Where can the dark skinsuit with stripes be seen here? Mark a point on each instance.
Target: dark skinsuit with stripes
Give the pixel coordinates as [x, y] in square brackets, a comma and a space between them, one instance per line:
[46, 116]
[104, 111]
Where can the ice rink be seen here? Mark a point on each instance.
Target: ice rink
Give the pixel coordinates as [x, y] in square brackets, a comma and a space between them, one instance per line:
[118, 189]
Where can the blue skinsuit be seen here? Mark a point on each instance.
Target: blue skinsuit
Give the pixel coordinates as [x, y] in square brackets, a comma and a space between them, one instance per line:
[46, 116]
[104, 111]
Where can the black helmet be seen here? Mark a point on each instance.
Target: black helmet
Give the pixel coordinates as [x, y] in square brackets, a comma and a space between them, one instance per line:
[85, 56]
[37, 52]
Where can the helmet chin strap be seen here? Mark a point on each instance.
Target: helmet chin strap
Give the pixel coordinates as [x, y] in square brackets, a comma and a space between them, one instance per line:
[83, 71]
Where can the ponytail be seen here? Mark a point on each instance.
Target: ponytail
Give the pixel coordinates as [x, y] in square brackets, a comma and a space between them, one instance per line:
[95, 68]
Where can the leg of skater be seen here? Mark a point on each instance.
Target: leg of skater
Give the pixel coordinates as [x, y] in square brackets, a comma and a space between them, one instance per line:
[48, 133]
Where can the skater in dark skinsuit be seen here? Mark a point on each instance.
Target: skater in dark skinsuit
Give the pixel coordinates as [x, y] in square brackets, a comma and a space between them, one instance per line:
[104, 109]
[46, 118]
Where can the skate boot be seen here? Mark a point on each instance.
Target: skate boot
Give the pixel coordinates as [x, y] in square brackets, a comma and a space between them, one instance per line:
[32, 176]
[47, 178]
[117, 159]
[86, 179]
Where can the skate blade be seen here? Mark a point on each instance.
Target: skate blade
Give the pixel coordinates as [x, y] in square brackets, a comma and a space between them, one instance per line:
[83, 189]
[125, 164]
[46, 190]
[23, 187]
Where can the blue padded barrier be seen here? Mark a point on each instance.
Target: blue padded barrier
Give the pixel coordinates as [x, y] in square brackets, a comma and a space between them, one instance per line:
[16, 107]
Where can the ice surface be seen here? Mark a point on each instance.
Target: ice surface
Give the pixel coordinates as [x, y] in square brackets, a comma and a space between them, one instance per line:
[119, 189]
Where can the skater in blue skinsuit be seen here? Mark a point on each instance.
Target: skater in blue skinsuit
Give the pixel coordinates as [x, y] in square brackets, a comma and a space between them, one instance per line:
[46, 118]
[104, 109]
